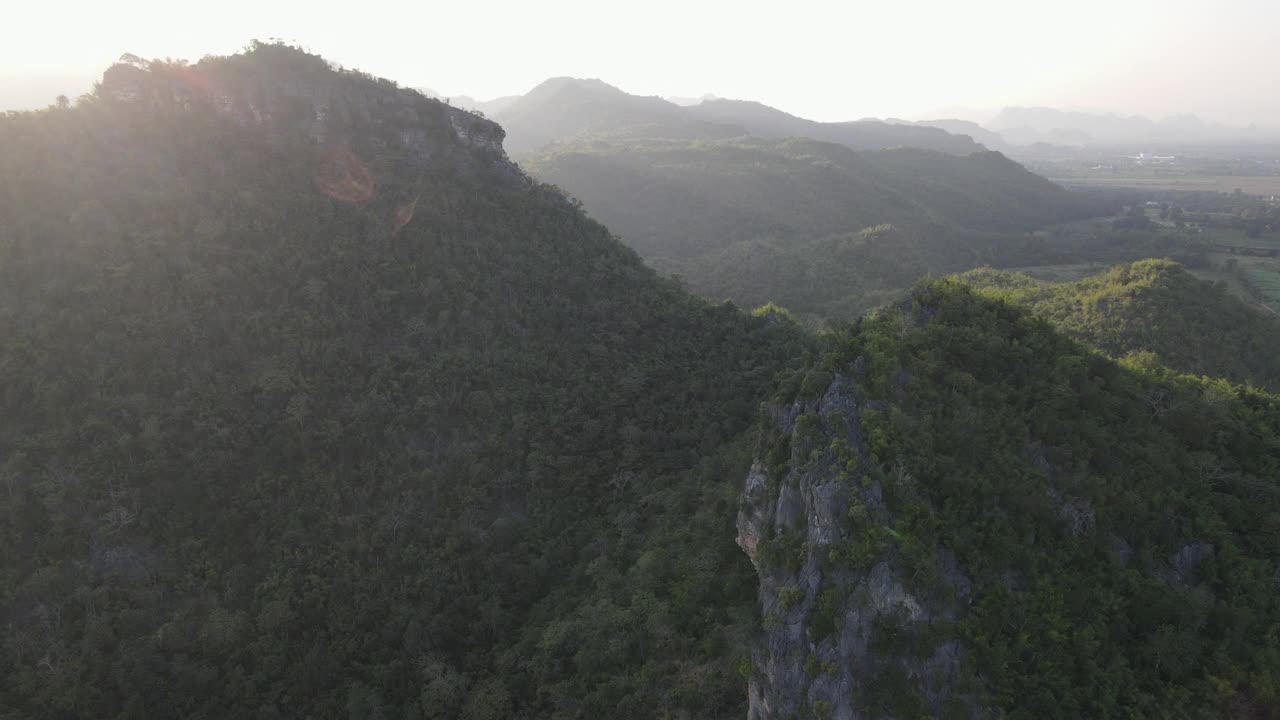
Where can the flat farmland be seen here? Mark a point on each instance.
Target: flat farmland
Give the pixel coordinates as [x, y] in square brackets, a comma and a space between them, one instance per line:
[1237, 238]
[1265, 277]
[1250, 184]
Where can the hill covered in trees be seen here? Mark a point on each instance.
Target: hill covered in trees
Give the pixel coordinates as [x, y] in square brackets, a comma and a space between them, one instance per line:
[800, 222]
[316, 405]
[957, 511]
[319, 406]
[764, 121]
[1153, 306]
[565, 108]
[748, 203]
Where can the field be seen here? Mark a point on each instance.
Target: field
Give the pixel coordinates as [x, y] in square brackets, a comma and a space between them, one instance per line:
[1254, 280]
[1237, 238]
[1253, 185]
[1265, 278]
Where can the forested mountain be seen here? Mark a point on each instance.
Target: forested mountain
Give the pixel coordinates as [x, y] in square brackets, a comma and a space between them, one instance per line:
[316, 406]
[764, 121]
[563, 109]
[1027, 125]
[799, 221]
[989, 139]
[959, 512]
[1153, 306]
[748, 203]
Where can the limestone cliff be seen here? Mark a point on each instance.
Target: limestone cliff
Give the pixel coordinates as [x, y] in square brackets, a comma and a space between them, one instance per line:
[957, 512]
[288, 92]
[840, 613]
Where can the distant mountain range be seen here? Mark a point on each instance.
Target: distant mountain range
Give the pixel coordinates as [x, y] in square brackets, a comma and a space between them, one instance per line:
[466, 102]
[1028, 125]
[751, 203]
[824, 230]
[992, 140]
[564, 108]
[553, 111]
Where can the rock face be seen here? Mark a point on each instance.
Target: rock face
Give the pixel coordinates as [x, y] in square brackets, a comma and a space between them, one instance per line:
[285, 90]
[838, 609]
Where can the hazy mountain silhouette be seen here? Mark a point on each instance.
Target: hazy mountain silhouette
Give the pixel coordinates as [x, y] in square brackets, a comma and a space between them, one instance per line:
[563, 108]
[1027, 125]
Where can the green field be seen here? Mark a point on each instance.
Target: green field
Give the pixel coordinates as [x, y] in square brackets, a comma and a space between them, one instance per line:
[1252, 185]
[1265, 278]
[1253, 280]
[1237, 238]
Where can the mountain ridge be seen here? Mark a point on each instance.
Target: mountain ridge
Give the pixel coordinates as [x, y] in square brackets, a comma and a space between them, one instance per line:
[561, 109]
[318, 405]
[321, 405]
[759, 220]
[900, 576]
[1155, 308]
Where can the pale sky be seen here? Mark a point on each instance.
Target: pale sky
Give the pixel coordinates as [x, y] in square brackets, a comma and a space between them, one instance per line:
[1219, 59]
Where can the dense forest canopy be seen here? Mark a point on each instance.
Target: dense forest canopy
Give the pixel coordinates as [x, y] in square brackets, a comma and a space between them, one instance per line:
[997, 521]
[318, 406]
[801, 222]
[1154, 307]
[748, 203]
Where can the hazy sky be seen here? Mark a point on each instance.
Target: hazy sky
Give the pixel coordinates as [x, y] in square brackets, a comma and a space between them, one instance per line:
[825, 60]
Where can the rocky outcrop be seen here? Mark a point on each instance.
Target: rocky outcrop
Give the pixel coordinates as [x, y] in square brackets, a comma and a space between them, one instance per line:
[840, 613]
[285, 90]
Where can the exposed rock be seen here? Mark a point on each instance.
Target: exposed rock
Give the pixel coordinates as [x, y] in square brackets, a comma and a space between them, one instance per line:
[1120, 550]
[289, 91]
[821, 616]
[753, 522]
[1078, 515]
[1186, 562]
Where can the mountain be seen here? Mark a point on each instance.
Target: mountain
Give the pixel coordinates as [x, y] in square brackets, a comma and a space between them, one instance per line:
[318, 406]
[1029, 125]
[764, 121]
[466, 102]
[1153, 306]
[958, 512]
[563, 109]
[988, 138]
[756, 220]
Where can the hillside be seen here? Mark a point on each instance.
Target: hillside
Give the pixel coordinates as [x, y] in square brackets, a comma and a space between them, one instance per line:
[989, 139]
[758, 220]
[959, 512]
[565, 109]
[1153, 306]
[1028, 125]
[763, 121]
[318, 406]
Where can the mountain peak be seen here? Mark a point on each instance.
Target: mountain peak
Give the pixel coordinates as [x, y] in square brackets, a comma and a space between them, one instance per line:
[563, 82]
[289, 92]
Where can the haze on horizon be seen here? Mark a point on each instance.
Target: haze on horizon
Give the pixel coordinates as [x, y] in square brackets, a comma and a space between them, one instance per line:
[818, 60]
